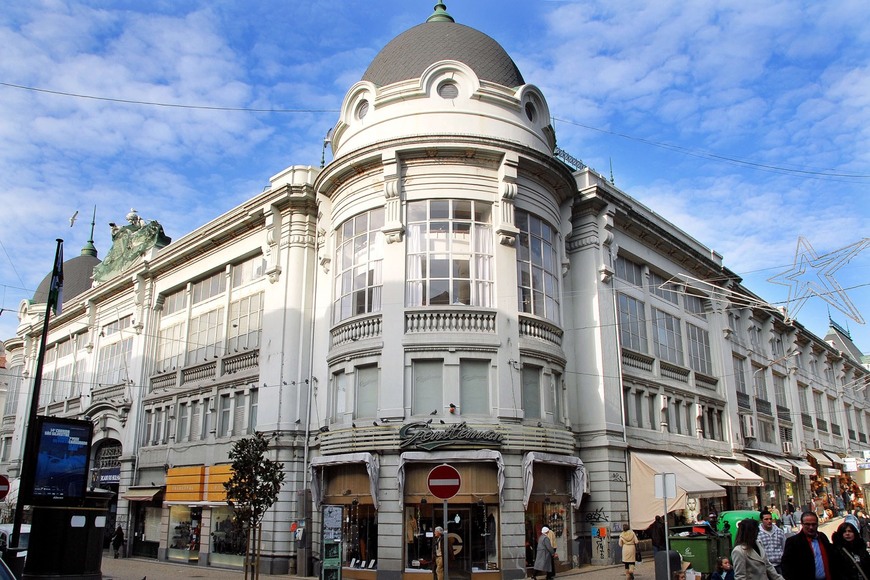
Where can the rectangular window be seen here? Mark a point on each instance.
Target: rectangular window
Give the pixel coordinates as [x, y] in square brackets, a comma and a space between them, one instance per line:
[196, 420]
[803, 395]
[238, 413]
[558, 390]
[699, 349]
[117, 326]
[147, 438]
[739, 373]
[449, 253]
[817, 403]
[629, 271]
[632, 323]
[246, 322]
[13, 392]
[254, 401]
[779, 390]
[668, 337]
[531, 392]
[428, 386]
[206, 336]
[832, 411]
[474, 386]
[223, 429]
[170, 348]
[214, 285]
[158, 426]
[367, 379]
[760, 383]
[538, 267]
[114, 362]
[182, 432]
[359, 255]
[663, 289]
[175, 302]
[248, 271]
[695, 305]
[339, 395]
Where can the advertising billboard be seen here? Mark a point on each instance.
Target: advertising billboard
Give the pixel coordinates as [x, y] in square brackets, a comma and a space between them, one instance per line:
[63, 448]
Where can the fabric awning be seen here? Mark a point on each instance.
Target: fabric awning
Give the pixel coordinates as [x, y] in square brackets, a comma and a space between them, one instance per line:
[644, 505]
[803, 467]
[141, 493]
[579, 481]
[785, 469]
[373, 468]
[741, 475]
[835, 459]
[708, 470]
[820, 458]
[769, 463]
[475, 456]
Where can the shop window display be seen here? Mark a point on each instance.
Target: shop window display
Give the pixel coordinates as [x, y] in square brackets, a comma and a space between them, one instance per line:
[184, 530]
[553, 513]
[359, 536]
[472, 533]
[227, 538]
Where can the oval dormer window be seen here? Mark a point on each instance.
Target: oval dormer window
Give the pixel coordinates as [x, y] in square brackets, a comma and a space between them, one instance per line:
[448, 90]
[362, 110]
[531, 112]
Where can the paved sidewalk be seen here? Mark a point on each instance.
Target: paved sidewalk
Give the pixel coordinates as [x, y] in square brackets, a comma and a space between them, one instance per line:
[143, 568]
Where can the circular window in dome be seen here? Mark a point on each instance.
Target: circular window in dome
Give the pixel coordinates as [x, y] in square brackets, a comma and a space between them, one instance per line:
[362, 110]
[531, 112]
[448, 90]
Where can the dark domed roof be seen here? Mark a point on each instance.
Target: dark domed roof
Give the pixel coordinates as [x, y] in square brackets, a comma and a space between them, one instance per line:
[410, 53]
[77, 274]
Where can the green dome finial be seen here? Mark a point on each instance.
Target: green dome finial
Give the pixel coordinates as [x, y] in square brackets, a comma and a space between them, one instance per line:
[90, 249]
[440, 14]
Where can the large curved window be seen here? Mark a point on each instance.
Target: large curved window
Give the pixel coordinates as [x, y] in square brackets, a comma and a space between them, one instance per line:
[359, 251]
[449, 253]
[537, 267]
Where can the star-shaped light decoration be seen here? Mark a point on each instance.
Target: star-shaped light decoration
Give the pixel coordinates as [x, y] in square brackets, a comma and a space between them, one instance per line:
[813, 275]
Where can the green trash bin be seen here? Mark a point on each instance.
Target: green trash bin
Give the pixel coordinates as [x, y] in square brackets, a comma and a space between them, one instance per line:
[701, 550]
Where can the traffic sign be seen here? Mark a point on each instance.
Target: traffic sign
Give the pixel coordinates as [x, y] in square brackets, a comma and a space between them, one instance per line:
[4, 486]
[444, 481]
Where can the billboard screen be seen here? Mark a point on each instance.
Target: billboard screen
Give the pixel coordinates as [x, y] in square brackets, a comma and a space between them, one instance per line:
[63, 447]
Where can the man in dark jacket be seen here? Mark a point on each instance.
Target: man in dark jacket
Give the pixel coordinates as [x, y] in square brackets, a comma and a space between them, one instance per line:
[809, 555]
[656, 533]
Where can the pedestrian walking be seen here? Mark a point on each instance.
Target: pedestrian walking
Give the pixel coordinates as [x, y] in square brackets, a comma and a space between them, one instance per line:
[118, 541]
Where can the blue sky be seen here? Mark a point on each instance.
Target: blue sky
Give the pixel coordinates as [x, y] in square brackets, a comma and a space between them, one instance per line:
[747, 124]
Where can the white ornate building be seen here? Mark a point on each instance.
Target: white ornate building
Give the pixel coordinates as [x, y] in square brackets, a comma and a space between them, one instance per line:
[446, 290]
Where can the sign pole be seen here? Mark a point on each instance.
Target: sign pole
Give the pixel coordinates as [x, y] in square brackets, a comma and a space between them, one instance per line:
[665, 487]
[444, 482]
[445, 546]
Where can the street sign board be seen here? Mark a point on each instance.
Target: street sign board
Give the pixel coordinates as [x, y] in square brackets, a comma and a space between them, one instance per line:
[4, 486]
[444, 481]
[665, 485]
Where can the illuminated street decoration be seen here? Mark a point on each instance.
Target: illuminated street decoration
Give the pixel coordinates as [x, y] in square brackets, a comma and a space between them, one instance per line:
[813, 275]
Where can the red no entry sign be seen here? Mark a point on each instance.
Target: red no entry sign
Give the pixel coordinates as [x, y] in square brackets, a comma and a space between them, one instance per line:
[4, 486]
[444, 481]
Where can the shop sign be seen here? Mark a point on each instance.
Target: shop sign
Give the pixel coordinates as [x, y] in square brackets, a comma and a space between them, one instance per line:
[864, 465]
[850, 464]
[422, 436]
[110, 475]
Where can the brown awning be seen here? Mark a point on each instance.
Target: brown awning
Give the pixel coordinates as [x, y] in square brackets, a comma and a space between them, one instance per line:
[142, 493]
[820, 458]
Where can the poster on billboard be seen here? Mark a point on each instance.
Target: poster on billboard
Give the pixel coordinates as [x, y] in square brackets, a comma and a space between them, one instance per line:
[60, 473]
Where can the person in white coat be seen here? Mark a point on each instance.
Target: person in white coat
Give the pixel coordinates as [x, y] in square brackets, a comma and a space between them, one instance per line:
[748, 557]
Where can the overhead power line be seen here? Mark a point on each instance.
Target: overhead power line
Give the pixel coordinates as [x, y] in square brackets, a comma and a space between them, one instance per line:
[169, 105]
[671, 147]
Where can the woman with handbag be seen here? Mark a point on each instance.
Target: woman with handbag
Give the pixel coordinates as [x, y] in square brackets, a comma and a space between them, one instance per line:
[628, 541]
[848, 545]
